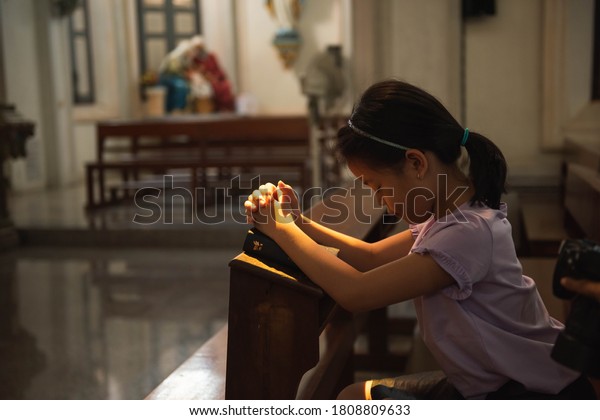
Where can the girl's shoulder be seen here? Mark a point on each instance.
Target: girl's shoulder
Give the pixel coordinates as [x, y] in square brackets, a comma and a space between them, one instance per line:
[468, 212]
[472, 220]
[475, 216]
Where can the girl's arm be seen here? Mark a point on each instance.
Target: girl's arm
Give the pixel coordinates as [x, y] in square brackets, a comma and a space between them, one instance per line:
[401, 279]
[359, 254]
[396, 281]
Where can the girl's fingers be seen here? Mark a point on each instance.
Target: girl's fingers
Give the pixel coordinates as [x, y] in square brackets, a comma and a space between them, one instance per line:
[288, 197]
[282, 185]
[250, 206]
[283, 191]
[260, 198]
[267, 189]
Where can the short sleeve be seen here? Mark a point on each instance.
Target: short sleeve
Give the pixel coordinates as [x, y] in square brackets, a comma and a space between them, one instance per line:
[415, 229]
[463, 249]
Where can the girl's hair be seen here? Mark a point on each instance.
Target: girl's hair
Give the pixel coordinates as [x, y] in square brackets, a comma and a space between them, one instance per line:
[405, 115]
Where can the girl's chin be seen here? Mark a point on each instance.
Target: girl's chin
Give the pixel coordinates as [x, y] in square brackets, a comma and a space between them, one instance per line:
[399, 214]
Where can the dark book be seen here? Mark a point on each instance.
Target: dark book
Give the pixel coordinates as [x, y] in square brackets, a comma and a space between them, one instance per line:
[262, 247]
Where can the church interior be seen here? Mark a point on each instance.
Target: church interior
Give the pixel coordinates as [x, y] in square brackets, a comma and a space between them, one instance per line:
[121, 210]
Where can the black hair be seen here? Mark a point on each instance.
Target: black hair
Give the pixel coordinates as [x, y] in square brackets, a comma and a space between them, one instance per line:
[408, 116]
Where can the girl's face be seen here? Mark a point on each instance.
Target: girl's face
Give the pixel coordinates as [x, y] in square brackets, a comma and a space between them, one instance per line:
[399, 190]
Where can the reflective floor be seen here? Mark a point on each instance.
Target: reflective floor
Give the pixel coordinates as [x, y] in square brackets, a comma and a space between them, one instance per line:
[80, 320]
[104, 324]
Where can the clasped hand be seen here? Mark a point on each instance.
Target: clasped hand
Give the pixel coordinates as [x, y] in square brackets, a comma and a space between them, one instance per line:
[271, 207]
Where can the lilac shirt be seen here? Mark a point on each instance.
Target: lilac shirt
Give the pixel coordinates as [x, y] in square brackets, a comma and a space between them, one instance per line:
[491, 325]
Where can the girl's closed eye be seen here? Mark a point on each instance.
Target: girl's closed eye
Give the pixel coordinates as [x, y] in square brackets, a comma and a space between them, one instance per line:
[374, 187]
[381, 193]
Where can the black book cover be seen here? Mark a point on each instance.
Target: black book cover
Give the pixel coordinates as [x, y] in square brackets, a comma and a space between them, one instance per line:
[261, 246]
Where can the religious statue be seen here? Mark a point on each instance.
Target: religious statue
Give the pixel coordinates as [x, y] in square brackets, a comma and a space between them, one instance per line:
[204, 69]
[193, 75]
[287, 39]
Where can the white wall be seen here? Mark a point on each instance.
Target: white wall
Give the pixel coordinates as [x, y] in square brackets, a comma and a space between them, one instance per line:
[579, 44]
[505, 80]
[419, 42]
[218, 23]
[503, 73]
[260, 71]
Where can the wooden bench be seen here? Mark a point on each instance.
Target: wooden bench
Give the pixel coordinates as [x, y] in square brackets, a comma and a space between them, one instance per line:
[197, 175]
[285, 337]
[195, 143]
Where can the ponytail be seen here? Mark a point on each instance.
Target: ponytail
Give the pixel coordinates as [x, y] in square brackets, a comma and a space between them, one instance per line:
[487, 170]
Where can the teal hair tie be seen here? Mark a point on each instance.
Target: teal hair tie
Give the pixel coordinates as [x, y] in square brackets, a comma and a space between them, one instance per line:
[465, 137]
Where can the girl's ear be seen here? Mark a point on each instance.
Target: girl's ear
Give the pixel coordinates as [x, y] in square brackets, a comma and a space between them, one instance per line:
[416, 161]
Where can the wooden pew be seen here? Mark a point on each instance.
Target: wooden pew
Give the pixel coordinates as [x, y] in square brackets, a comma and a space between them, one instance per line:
[285, 337]
[96, 171]
[275, 321]
[195, 143]
[202, 131]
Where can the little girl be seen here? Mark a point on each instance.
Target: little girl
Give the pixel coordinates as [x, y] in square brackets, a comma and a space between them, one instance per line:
[480, 317]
